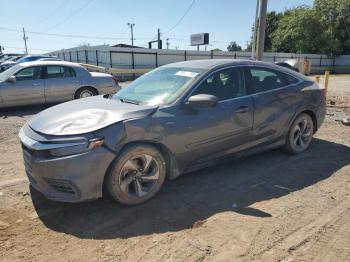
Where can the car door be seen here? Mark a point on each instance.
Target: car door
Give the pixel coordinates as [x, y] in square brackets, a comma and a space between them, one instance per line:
[28, 88]
[276, 98]
[60, 83]
[205, 134]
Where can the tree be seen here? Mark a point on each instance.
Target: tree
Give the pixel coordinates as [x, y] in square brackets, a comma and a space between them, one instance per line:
[233, 46]
[299, 31]
[335, 18]
[272, 22]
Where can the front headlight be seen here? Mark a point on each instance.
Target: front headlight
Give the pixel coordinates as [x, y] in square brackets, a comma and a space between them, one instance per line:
[78, 148]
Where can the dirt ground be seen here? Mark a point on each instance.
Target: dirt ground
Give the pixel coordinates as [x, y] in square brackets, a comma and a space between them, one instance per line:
[266, 207]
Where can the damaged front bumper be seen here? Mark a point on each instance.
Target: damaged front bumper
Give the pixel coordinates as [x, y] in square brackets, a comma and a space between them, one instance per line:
[75, 177]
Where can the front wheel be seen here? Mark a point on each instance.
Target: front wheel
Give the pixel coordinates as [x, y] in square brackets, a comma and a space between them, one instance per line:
[300, 134]
[137, 175]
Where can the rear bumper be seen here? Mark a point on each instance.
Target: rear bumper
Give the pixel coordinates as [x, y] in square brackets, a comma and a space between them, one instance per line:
[73, 178]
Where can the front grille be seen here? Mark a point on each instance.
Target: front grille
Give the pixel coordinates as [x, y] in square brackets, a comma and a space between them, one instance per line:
[61, 186]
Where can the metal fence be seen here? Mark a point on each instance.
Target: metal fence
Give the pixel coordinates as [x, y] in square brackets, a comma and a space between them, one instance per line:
[142, 58]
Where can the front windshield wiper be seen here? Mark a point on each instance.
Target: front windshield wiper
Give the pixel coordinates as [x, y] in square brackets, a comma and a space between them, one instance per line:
[128, 101]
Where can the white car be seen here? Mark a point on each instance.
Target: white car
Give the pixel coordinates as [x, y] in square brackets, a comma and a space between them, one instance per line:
[51, 82]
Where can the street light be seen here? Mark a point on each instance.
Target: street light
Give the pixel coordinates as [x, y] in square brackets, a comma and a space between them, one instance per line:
[131, 25]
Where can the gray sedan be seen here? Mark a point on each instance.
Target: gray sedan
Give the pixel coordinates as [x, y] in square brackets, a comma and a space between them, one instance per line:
[51, 82]
[175, 119]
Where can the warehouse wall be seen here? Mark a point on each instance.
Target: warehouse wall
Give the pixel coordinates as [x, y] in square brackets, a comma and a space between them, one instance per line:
[142, 58]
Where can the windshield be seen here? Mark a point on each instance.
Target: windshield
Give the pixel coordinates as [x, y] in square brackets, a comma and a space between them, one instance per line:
[160, 86]
[9, 72]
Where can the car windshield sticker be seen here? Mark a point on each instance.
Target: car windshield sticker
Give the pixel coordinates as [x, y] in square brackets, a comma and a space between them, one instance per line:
[186, 73]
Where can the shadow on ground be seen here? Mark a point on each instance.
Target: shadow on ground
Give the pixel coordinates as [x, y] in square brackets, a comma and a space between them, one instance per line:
[231, 187]
[22, 111]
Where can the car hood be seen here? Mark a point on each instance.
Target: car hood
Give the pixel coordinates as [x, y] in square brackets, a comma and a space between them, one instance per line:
[86, 115]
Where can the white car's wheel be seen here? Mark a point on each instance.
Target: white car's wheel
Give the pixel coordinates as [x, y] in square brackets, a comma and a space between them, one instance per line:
[85, 92]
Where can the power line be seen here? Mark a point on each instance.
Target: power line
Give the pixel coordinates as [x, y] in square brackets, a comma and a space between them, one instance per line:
[63, 35]
[182, 17]
[69, 17]
[183, 40]
[37, 49]
[62, 4]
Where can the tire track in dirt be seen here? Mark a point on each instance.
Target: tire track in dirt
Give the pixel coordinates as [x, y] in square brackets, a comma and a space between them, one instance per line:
[330, 243]
[315, 239]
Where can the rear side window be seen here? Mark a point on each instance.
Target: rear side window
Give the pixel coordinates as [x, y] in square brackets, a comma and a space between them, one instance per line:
[264, 79]
[29, 73]
[59, 72]
[291, 80]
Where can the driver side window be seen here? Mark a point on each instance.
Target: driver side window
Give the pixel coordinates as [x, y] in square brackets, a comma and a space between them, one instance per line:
[29, 73]
[224, 84]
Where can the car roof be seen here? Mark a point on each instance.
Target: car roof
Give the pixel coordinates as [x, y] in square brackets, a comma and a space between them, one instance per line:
[45, 63]
[209, 64]
[212, 63]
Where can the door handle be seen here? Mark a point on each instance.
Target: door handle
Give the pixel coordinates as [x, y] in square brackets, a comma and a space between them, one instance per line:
[35, 84]
[242, 109]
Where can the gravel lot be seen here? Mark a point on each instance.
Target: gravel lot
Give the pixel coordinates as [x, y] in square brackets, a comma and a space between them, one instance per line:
[267, 207]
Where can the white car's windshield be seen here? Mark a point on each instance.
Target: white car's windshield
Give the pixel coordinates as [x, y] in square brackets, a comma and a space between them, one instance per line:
[162, 85]
[9, 72]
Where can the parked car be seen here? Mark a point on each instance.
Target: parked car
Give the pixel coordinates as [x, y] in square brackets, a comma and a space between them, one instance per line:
[175, 119]
[4, 57]
[286, 65]
[42, 82]
[50, 59]
[11, 59]
[30, 58]
[8, 60]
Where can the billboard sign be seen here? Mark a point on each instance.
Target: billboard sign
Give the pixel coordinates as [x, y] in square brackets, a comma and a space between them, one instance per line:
[200, 39]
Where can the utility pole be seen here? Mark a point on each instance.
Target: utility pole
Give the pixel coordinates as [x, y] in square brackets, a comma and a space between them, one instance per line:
[159, 43]
[131, 25]
[255, 29]
[25, 40]
[167, 43]
[261, 30]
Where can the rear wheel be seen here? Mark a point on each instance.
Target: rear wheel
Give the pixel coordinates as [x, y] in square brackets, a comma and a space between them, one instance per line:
[137, 175]
[300, 134]
[85, 92]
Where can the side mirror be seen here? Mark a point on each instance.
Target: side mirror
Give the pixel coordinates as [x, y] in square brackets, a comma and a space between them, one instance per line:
[202, 100]
[11, 79]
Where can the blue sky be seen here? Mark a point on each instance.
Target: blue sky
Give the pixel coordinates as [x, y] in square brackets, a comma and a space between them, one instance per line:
[225, 20]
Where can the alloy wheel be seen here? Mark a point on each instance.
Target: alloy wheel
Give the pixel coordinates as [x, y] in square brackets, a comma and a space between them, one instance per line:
[139, 175]
[302, 134]
[86, 93]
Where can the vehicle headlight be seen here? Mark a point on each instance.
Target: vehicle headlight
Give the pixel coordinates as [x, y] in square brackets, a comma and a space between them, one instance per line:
[76, 148]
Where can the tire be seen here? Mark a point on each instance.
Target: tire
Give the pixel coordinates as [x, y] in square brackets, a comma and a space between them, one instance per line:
[300, 134]
[85, 92]
[136, 175]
